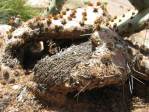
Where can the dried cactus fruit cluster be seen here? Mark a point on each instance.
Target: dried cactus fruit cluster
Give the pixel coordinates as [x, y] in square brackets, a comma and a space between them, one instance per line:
[78, 68]
[78, 64]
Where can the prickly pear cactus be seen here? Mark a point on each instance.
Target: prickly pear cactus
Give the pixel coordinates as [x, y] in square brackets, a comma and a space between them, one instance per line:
[69, 24]
[85, 50]
[130, 23]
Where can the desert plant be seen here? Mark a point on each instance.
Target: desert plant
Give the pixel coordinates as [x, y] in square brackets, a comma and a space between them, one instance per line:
[134, 20]
[10, 8]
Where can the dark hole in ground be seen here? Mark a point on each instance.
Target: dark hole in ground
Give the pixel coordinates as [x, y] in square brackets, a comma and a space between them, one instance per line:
[30, 59]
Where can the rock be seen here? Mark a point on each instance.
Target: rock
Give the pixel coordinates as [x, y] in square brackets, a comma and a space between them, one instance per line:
[140, 40]
[139, 47]
[12, 80]
[16, 87]
[4, 28]
[38, 3]
[6, 75]
[22, 95]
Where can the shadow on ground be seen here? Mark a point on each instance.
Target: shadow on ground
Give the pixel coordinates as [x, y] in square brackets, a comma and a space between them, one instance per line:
[107, 99]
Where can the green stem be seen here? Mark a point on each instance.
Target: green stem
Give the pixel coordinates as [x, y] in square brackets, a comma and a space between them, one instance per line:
[140, 4]
[131, 22]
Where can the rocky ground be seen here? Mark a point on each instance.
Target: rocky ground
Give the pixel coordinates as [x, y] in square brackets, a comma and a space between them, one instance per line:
[16, 96]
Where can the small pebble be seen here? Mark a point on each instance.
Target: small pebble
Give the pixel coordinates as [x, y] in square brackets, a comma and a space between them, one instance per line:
[3, 82]
[11, 81]
[6, 75]
[16, 87]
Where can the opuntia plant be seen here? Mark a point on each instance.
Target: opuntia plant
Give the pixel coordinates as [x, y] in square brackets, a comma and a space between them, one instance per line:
[134, 20]
[91, 53]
